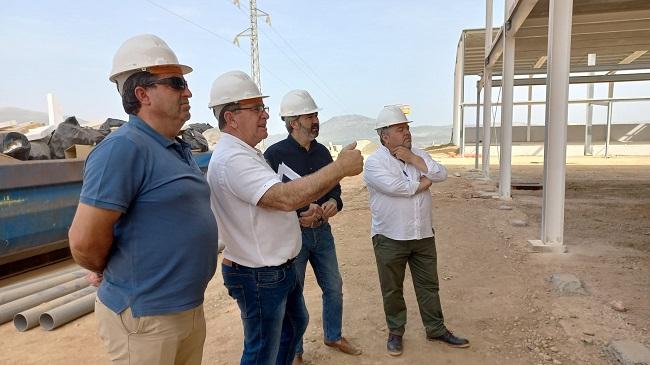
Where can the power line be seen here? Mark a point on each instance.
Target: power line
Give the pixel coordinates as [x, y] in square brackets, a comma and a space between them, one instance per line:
[251, 32]
[188, 20]
[330, 94]
[212, 33]
[309, 67]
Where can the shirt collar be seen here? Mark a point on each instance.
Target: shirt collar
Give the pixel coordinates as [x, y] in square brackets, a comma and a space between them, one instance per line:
[298, 145]
[234, 140]
[384, 150]
[140, 124]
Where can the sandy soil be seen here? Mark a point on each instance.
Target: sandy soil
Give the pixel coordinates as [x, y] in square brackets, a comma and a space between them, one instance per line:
[494, 291]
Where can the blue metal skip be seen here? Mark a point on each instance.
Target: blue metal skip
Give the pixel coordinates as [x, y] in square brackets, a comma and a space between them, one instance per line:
[38, 200]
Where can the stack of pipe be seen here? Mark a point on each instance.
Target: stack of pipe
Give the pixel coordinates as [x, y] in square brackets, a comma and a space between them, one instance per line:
[50, 301]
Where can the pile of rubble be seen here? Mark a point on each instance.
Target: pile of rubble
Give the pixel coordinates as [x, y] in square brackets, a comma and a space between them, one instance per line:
[33, 141]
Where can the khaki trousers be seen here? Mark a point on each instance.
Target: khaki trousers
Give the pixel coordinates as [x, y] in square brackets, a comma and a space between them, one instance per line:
[175, 338]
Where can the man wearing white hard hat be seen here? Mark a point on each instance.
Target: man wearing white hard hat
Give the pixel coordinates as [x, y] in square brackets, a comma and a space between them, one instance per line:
[398, 177]
[257, 221]
[300, 155]
[144, 225]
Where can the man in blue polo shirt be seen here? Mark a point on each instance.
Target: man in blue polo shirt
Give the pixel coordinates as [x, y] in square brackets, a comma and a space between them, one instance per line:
[144, 223]
[300, 155]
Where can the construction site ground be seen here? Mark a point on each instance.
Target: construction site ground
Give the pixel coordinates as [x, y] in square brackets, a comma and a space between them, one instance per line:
[494, 290]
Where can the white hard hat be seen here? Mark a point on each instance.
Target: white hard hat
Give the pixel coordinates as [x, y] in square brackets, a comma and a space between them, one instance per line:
[297, 102]
[141, 53]
[232, 87]
[390, 115]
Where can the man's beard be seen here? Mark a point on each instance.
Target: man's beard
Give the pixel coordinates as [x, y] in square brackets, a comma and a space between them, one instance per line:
[311, 132]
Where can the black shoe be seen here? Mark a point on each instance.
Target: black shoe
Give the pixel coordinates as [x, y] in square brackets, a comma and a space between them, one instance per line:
[394, 344]
[450, 340]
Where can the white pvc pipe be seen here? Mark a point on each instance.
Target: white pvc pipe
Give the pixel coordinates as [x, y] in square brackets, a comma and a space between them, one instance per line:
[557, 95]
[39, 278]
[20, 291]
[67, 312]
[29, 318]
[9, 310]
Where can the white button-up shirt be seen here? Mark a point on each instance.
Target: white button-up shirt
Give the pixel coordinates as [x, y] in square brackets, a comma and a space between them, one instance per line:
[253, 236]
[398, 212]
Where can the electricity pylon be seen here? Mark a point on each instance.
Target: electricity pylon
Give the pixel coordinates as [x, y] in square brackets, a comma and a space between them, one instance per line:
[252, 33]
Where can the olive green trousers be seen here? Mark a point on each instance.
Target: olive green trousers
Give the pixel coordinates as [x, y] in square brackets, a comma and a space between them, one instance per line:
[392, 257]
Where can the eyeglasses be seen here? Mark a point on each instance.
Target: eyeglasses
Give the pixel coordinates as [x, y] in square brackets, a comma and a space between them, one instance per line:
[257, 108]
[175, 82]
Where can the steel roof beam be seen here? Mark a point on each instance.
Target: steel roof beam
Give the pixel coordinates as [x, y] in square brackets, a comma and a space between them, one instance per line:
[516, 18]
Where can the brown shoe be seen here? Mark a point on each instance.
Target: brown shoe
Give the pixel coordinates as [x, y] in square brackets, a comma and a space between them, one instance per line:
[298, 360]
[344, 346]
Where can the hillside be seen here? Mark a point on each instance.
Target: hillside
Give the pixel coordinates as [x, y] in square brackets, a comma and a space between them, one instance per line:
[341, 130]
[25, 115]
[345, 129]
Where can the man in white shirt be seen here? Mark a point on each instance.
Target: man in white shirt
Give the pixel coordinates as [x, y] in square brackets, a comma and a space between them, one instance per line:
[257, 221]
[398, 178]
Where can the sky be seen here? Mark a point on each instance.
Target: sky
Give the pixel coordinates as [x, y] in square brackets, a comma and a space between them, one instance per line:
[352, 56]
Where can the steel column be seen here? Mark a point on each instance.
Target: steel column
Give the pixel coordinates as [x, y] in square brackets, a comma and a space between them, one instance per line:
[487, 92]
[529, 114]
[478, 113]
[610, 107]
[557, 96]
[505, 160]
[589, 151]
[458, 91]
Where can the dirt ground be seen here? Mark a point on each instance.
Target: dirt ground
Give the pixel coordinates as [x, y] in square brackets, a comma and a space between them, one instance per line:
[494, 290]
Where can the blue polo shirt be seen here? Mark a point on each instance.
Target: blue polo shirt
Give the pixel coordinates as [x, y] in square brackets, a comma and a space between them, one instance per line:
[164, 251]
[303, 162]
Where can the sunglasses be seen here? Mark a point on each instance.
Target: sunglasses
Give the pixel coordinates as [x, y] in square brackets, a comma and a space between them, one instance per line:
[257, 108]
[175, 82]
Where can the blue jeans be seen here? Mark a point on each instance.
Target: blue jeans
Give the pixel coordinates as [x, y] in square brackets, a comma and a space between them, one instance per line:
[272, 310]
[318, 248]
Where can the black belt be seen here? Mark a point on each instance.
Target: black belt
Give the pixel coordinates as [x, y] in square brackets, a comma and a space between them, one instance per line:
[235, 265]
[316, 224]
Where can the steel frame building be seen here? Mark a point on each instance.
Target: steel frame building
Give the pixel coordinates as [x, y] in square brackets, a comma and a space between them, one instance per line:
[557, 38]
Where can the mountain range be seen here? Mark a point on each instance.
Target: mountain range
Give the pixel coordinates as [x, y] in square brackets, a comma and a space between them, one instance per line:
[339, 130]
[346, 129]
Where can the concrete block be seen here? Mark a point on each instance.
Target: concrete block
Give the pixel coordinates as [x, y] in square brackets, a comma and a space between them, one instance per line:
[567, 284]
[627, 352]
[539, 246]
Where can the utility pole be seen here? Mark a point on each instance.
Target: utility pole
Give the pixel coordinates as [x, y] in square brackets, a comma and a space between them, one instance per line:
[252, 33]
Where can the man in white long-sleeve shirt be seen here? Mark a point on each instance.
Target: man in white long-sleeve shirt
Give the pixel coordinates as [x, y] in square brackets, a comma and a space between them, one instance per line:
[398, 178]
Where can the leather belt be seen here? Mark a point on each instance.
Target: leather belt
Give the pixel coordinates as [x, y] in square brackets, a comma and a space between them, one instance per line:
[235, 265]
[316, 224]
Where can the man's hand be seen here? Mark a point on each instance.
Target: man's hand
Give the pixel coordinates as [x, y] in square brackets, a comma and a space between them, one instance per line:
[350, 161]
[311, 215]
[94, 278]
[404, 154]
[424, 184]
[329, 208]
